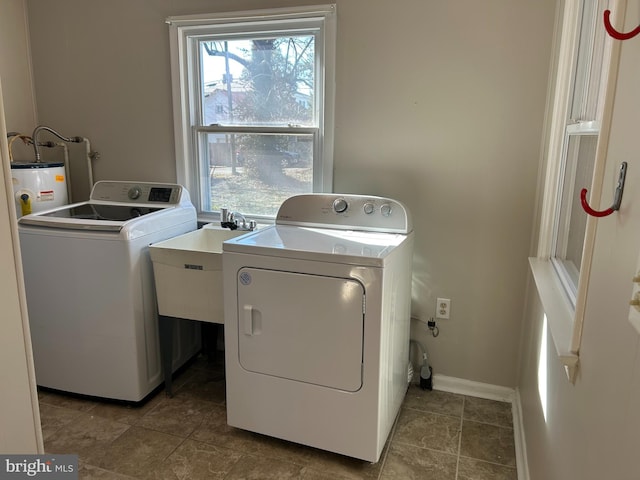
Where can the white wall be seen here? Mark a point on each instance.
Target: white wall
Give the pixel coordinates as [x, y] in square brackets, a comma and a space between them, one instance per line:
[592, 428]
[15, 66]
[439, 104]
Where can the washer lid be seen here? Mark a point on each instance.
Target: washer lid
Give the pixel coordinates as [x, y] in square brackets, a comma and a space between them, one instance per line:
[135, 207]
[87, 216]
[344, 246]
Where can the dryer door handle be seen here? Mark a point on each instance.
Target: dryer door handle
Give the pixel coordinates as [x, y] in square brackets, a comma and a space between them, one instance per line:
[248, 319]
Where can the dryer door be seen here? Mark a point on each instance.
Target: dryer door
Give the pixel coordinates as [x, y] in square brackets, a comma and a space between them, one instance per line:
[306, 328]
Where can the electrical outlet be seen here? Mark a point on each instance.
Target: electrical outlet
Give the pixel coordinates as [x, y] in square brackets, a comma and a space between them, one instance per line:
[443, 308]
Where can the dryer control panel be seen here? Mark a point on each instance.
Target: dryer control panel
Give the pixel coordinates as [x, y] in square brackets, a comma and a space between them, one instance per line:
[346, 212]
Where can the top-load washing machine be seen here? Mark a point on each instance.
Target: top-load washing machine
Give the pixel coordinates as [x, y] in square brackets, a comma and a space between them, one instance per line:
[317, 313]
[90, 292]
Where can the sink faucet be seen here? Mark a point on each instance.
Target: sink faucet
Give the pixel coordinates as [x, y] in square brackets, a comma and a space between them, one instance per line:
[235, 221]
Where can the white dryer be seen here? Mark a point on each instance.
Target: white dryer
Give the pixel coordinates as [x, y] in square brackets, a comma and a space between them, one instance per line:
[90, 291]
[317, 311]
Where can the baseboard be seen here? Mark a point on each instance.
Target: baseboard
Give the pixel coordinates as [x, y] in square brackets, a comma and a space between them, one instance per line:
[492, 392]
[473, 389]
[521, 445]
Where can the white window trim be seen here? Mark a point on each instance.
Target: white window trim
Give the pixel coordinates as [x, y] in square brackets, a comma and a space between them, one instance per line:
[566, 321]
[566, 277]
[182, 27]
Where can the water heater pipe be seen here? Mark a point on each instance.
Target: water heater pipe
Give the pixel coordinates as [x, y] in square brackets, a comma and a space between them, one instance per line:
[39, 128]
[67, 170]
[90, 157]
[13, 136]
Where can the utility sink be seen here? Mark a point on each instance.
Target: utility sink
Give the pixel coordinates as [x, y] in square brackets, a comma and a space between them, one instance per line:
[188, 273]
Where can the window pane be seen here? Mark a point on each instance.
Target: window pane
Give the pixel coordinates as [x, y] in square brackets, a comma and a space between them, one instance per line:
[254, 173]
[588, 68]
[580, 159]
[258, 81]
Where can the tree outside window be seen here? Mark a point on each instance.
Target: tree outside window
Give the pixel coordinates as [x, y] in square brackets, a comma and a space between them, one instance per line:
[255, 129]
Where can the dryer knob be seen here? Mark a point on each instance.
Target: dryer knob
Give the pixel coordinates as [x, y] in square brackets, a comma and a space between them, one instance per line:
[340, 205]
[369, 208]
[385, 210]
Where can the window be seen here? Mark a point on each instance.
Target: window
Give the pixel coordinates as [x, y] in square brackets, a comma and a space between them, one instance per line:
[581, 128]
[253, 102]
[579, 112]
[571, 221]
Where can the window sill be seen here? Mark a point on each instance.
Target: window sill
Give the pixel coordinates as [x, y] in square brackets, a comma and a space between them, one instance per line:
[560, 315]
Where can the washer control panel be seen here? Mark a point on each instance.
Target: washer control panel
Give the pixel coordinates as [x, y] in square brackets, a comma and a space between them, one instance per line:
[346, 212]
[130, 192]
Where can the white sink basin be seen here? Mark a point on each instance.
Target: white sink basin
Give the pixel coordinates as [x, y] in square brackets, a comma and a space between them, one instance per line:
[188, 273]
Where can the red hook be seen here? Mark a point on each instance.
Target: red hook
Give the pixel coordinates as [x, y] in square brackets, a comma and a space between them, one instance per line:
[587, 208]
[616, 34]
[617, 198]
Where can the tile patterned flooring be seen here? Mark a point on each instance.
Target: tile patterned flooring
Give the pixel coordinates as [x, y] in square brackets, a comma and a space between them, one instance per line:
[437, 436]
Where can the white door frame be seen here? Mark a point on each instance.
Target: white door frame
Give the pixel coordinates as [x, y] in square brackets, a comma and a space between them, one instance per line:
[20, 431]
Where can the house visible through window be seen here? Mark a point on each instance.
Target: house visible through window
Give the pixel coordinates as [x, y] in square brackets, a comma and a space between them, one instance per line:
[253, 94]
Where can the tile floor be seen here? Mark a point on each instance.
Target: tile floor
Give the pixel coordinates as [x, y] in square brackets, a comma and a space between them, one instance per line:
[437, 436]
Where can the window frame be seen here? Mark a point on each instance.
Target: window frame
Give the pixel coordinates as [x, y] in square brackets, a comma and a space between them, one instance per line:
[565, 315]
[184, 32]
[559, 237]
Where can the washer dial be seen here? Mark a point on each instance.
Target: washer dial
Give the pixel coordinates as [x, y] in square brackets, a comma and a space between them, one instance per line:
[134, 192]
